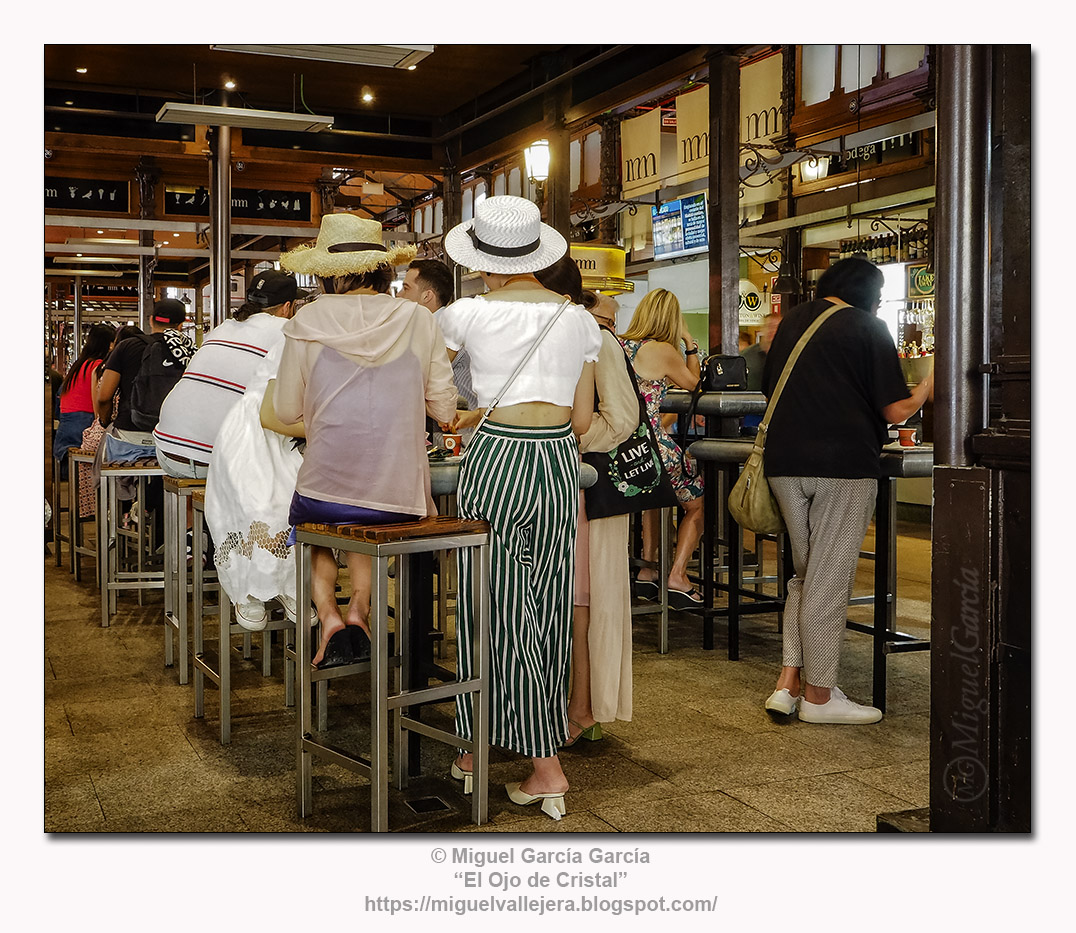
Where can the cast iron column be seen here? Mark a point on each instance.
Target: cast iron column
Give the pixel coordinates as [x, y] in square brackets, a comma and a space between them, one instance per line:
[724, 209]
[961, 257]
[220, 200]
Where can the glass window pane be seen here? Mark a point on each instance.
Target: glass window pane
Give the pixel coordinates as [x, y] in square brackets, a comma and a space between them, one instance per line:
[418, 221]
[859, 65]
[818, 73]
[438, 217]
[900, 59]
[515, 181]
[468, 204]
[575, 162]
[498, 184]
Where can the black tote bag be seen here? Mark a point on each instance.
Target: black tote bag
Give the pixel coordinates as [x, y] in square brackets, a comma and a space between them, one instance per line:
[631, 477]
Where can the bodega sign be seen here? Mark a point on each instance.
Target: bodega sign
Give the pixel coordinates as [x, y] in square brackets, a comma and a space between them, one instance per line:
[752, 310]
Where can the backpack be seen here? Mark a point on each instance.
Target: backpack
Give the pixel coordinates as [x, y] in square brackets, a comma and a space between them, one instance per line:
[157, 374]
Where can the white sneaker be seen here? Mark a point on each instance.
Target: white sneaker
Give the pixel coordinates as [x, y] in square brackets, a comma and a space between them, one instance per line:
[289, 609]
[781, 701]
[251, 615]
[839, 710]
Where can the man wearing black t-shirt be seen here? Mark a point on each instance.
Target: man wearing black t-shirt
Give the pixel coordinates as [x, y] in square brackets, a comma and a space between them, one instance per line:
[822, 460]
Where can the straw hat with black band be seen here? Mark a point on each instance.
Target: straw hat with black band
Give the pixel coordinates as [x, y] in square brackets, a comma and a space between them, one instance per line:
[346, 245]
[506, 237]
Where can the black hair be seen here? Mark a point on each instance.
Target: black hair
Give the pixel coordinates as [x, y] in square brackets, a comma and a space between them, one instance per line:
[855, 281]
[96, 347]
[379, 279]
[435, 275]
[249, 308]
[127, 330]
[564, 278]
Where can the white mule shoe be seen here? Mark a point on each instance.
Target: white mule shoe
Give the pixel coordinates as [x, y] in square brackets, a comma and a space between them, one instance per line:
[552, 804]
[460, 775]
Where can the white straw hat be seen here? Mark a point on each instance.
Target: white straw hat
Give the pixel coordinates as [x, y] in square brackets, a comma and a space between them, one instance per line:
[506, 236]
[346, 244]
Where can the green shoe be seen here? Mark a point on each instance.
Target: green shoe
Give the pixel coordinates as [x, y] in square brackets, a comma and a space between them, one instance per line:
[591, 734]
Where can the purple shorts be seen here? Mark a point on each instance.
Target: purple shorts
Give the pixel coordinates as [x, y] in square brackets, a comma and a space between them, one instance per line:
[304, 509]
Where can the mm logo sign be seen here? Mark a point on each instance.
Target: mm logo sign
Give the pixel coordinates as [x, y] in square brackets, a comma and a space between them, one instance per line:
[637, 168]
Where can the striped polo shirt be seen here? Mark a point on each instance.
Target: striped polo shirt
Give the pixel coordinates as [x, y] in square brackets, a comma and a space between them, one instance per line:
[213, 382]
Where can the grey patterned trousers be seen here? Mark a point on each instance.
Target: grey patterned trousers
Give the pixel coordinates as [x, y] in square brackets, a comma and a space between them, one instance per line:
[826, 520]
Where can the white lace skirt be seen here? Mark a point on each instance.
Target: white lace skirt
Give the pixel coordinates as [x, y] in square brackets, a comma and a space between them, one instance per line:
[248, 492]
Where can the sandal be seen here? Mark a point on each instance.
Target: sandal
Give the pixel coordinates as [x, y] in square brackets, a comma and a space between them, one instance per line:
[678, 599]
[646, 589]
[338, 651]
[590, 733]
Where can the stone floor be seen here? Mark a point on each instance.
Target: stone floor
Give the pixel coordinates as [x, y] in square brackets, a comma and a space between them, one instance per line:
[123, 752]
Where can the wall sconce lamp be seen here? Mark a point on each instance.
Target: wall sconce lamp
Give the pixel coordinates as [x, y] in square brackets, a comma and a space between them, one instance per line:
[536, 156]
[814, 168]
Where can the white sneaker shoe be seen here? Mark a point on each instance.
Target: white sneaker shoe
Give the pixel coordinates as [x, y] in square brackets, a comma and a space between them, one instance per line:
[839, 710]
[289, 609]
[251, 615]
[782, 702]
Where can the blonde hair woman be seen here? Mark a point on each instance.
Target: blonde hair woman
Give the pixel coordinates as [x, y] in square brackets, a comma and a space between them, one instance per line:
[653, 340]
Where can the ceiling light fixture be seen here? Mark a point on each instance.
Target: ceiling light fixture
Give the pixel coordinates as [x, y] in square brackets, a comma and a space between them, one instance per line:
[382, 56]
[81, 71]
[68, 103]
[243, 117]
[367, 94]
[230, 84]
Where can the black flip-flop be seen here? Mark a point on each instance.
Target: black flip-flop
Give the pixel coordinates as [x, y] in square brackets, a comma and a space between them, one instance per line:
[678, 599]
[338, 651]
[646, 589]
[360, 642]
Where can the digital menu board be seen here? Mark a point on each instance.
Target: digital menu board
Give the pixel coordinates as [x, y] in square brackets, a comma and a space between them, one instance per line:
[680, 227]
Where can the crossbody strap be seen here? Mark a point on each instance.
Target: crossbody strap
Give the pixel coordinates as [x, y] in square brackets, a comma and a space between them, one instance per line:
[522, 363]
[760, 438]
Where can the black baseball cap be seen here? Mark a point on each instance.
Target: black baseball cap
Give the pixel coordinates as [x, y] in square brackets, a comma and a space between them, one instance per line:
[273, 287]
[169, 311]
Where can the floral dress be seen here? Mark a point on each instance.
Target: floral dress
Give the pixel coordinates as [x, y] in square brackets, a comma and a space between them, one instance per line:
[682, 469]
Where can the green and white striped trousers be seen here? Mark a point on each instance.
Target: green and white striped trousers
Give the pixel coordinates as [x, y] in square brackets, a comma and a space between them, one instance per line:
[524, 481]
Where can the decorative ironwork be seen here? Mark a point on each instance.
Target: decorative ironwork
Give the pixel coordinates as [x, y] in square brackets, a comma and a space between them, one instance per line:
[770, 263]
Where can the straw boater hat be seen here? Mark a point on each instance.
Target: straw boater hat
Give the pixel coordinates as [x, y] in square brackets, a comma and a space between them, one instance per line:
[506, 236]
[346, 244]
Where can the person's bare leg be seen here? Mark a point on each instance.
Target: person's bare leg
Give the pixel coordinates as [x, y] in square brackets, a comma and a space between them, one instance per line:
[358, 609]
[789, 679]
[687, 539]
[579, 711]
[651, 537]
[547, 777]
[323, 573]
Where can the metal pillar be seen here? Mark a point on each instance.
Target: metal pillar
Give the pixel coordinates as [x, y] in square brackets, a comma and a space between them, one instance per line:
[453, 202]
[220, 206]
[961, 258]
[724, 207]
[980, 685]
[558, 194]
[76, 324]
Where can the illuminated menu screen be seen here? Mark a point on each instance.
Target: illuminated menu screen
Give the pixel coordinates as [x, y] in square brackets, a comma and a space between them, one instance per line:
[680, 227]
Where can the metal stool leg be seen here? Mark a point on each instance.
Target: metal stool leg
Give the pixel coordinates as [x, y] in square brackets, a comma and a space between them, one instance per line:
[304, 763]
[379, 684]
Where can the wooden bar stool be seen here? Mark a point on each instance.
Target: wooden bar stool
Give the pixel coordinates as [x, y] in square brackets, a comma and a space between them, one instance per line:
[381, 542]
[113, 579]
[221, 675]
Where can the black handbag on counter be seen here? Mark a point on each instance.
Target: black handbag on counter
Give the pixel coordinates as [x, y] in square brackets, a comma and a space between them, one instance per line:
[723, 373]
[631, 477]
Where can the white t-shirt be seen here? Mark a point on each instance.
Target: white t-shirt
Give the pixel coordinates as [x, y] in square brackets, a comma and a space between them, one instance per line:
[213, 382]
[497, 334]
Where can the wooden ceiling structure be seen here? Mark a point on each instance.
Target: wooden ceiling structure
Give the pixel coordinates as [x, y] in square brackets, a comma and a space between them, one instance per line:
[462, 107]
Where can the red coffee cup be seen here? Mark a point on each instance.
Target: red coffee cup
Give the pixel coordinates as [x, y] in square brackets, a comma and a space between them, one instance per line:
[907, 437]
[453, 444]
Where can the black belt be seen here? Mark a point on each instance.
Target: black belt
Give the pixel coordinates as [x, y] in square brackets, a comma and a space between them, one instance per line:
[186, 460]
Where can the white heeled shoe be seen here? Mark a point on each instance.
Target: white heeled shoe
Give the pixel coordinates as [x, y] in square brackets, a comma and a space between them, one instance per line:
[552, 804]
[460, 775]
